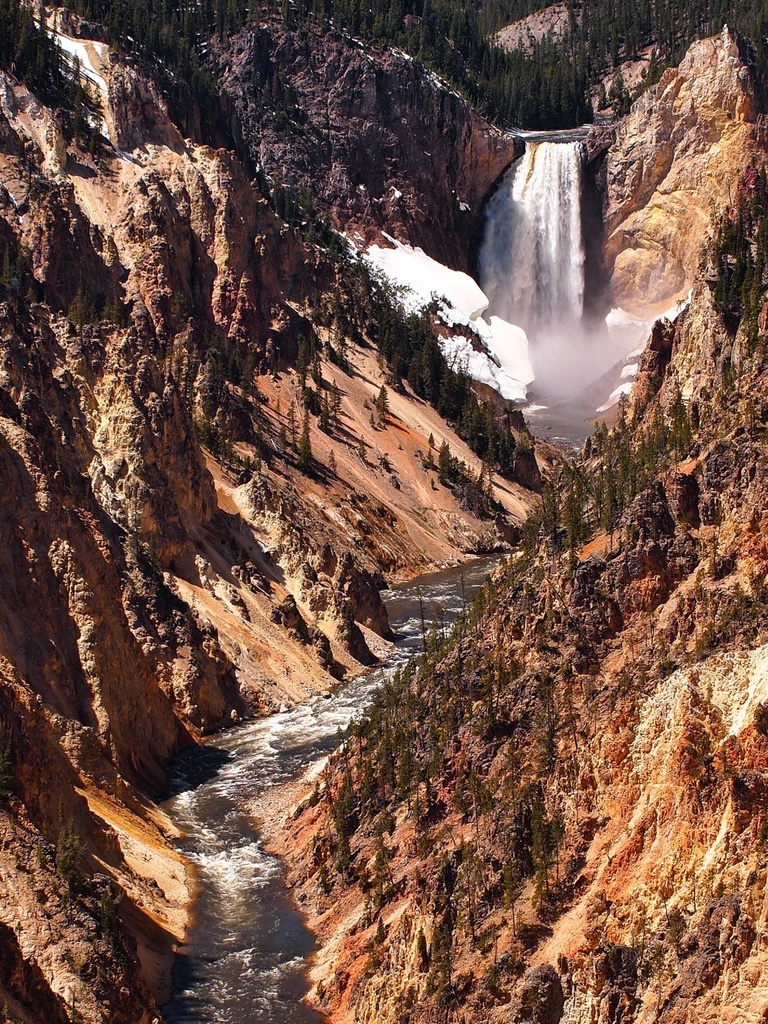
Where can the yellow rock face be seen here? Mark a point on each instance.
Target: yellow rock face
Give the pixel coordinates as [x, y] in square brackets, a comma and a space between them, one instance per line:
[674, 164]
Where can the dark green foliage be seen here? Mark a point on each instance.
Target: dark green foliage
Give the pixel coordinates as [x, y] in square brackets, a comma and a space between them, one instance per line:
[408, 346]
[382, 403]
[6, 761]
[618, 96]
[305, 446]
[81, 309]
[109, 923]
[211, 437]
[629, 460]
[739, 254]
[33, 56]
[168, 34]
[542, 91]
[603, 33]
[761, 719]
[30, 53]
[547, 88]
[69, 859]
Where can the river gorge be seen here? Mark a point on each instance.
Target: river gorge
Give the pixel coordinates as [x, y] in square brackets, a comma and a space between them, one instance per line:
[245, 957]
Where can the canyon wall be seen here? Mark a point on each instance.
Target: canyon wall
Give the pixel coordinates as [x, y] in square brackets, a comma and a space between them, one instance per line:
[559, 814]
[669, 165]
[183, 545]
[378, 141]
[575, 828]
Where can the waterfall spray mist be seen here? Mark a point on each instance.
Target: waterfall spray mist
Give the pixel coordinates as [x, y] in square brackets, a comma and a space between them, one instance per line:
[532, 267]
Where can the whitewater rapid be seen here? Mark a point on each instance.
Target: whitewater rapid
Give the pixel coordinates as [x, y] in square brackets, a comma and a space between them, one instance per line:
[246, 956]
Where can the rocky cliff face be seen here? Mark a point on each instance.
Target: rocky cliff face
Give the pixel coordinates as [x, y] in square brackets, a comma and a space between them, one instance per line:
[168, 563]
[575, 830]
[379, 142]
[670, 162]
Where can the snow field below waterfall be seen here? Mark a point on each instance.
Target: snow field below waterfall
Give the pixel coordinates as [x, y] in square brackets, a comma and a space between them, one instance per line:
[492, 351]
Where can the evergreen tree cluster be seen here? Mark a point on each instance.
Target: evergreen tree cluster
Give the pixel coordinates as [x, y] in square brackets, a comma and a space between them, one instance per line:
[14, 265]
[446, 35]
[602, 33]
[593, 494]
[739, 254]
[460, 698]
[367, 308]
[171, 35]
[545, 87]
[29, 52]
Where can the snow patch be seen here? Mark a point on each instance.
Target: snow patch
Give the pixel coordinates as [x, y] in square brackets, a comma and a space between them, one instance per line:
[460, 354]
[79, 48]
[615, 396]
[631, 334]
[492, 351]
[423, 278]
[627, 332]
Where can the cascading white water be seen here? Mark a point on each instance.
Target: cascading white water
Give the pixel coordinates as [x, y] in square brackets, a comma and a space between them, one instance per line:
[532, 260]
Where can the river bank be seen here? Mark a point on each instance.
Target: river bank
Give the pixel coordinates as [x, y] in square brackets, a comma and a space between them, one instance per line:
[246, 956]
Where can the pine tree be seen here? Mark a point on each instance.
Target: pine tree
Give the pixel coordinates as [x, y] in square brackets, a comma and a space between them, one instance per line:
[335, 404]
[292, 425]
[324, 419]
[382, 404]
[444, 463]
[305, 444]
[6, 759]
[6, 275]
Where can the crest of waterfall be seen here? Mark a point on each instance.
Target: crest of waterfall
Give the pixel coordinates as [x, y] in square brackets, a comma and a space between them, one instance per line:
[532, 257]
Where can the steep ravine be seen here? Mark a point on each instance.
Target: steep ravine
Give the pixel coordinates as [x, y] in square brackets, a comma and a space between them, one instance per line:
[177, 552]
[245, 958]
[559, 815]
[205, 492]
[575, 827]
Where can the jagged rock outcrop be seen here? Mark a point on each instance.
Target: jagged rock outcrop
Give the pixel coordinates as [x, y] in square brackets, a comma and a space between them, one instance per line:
[379, 142]
[579, 835]
[671, 162]
[24, 984]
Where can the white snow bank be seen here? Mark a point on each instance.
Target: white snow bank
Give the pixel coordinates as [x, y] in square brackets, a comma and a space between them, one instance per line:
[627, 332]
[498, 353]
[461, 354]
[615, 395]
[631, 334]
[423, 278]
[79, 48]
[509, 346]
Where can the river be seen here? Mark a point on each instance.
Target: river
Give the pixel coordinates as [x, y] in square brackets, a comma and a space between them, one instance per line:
[245, 958]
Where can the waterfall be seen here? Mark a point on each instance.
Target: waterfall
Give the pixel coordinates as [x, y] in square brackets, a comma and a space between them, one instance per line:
[532, 258]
